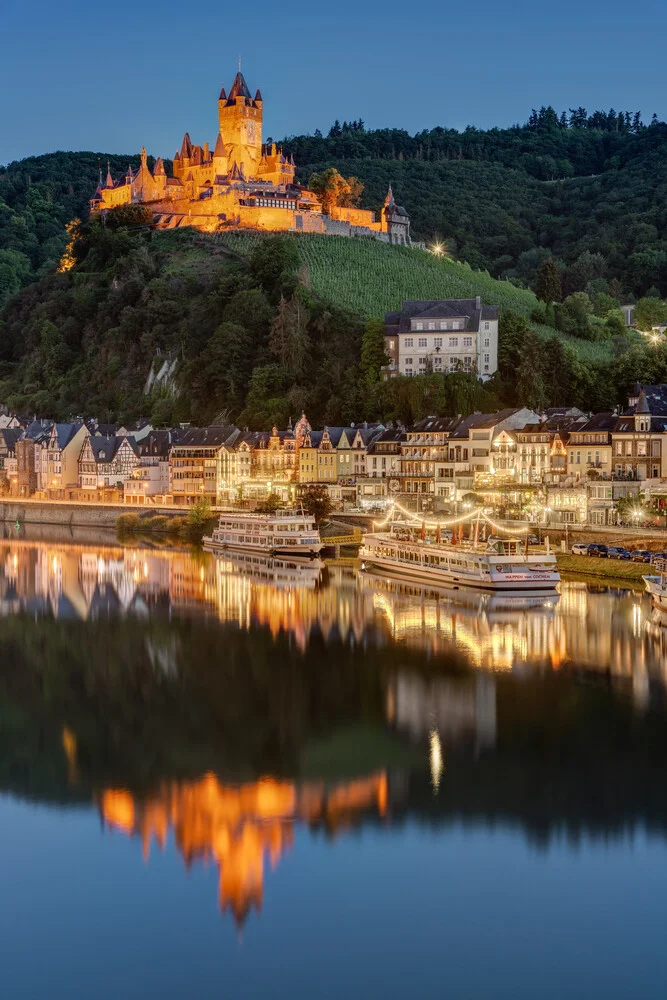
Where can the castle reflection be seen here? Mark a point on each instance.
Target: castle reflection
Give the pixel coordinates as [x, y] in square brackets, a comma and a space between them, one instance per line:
[595, 628]
[239, 827]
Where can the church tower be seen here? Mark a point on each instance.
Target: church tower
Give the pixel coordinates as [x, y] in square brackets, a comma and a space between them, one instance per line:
[240, 124]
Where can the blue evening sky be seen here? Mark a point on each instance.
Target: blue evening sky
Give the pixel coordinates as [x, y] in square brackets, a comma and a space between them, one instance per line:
[113, 77]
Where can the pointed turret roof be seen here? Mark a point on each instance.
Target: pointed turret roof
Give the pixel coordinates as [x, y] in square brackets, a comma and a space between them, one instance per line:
[642, 403]
[219, 146]
[186, 146]
[258, 95]
[223, 95]
[159, 167]
[239, 87]
[389, 200]
[109, 181]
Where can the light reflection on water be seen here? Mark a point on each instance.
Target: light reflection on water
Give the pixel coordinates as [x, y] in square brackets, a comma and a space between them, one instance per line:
[247, 711]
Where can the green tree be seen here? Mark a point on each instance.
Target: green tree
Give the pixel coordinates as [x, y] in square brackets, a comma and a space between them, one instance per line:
[316, 501]
[274, 264]
[530, 387]
[548, 287]
[650, 312]
[129, 217]
[373, 353]
[334, 190]
[288, 338]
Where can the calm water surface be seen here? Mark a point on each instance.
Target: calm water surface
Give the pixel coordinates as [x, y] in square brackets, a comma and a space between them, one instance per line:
[227, 778]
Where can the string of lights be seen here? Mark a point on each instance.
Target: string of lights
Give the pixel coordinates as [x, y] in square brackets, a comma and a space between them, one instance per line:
[448, 522]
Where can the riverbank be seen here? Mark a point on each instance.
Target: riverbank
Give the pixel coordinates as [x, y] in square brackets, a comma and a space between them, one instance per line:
[605, 569]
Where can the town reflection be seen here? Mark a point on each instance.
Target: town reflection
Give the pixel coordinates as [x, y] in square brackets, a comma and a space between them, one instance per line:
[588, 627]
[240, 827]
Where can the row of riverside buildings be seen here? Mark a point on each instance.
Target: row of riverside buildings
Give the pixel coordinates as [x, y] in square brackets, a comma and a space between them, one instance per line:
[559, 466]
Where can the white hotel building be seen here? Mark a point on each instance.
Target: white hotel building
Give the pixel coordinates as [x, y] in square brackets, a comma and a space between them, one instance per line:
[442, 336]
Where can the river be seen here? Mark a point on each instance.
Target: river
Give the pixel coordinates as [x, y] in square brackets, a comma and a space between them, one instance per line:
[223, 778]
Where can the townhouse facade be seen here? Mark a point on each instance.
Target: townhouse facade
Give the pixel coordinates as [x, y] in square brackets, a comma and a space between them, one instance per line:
[442, 335]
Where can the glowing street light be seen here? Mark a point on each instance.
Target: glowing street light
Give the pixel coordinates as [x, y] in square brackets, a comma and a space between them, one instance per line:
[437, 248]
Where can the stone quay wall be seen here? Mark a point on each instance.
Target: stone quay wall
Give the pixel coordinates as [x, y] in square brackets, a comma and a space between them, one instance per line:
[72, 513]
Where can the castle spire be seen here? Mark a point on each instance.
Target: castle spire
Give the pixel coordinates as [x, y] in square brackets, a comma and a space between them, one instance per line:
[109, 181]
[219, 150]
[186, 147]
[239, 88]
[389, 200]
[223, 95]
[158, 169]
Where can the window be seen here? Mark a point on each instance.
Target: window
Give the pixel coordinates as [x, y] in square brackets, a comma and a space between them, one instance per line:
[642, 448]
[437, 361]
[453, 342]
[437, 341]
[422, 361]
[431, 326]
[486, 326]
[408, 361]
[619, 447]
[467, 341]
[486, 359]
[487, 342]
[422, 342]
[408, 342]
[419, 326]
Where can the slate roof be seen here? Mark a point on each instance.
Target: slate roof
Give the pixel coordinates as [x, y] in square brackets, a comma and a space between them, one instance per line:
[626, 424]
[105, 449]
[159, 443]
[11, 435]
[38, 429]
[65, 433]
[655, 396]
[478, 421]
[472, 310]
[212, 437]
[239, 88]
[436, 424]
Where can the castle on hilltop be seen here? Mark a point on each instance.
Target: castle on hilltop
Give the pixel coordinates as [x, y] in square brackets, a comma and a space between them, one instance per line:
[241, 183]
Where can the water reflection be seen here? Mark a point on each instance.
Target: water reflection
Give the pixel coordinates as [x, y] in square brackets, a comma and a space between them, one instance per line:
[238, 827]
[598, 628]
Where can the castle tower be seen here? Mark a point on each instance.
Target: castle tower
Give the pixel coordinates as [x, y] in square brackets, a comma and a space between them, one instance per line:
[240, 121]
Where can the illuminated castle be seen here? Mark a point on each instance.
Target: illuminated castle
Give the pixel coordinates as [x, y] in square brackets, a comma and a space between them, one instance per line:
[240, 182]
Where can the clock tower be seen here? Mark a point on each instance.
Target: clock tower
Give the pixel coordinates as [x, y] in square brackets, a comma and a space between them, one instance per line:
[240, 118]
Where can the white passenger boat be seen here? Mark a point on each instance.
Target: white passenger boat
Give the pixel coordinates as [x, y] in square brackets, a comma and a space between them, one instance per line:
[656, 585]
[417, 552]
[285, 531]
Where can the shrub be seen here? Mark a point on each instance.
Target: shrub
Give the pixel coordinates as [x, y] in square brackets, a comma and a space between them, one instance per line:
[127, 522]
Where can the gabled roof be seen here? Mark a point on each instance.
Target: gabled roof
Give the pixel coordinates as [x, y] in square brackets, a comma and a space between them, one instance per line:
[65, 433]
[38, 429]
[10, 436]
[479, 421]
[655, 397]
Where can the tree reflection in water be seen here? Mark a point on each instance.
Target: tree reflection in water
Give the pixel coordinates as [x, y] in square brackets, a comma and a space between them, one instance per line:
[228, 701]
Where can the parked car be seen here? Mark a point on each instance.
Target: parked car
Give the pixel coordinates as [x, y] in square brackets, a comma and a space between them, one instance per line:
[600, 551]
[640, 555]
[658, 556]
[579, 549]
[533, 540]
[617, 552]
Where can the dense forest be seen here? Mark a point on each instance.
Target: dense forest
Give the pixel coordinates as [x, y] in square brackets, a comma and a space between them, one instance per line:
[571, 207]
[504, 199]
[251, 341]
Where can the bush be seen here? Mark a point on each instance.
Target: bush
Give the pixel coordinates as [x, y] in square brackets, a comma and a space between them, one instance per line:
[176, 525]
[157, 523]
[127, 522]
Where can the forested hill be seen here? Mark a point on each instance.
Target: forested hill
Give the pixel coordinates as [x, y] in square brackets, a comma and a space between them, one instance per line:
[590, 189]
[503, 199]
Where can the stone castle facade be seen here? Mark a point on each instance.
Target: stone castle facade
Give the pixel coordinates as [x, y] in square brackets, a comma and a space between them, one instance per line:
[241, 182]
